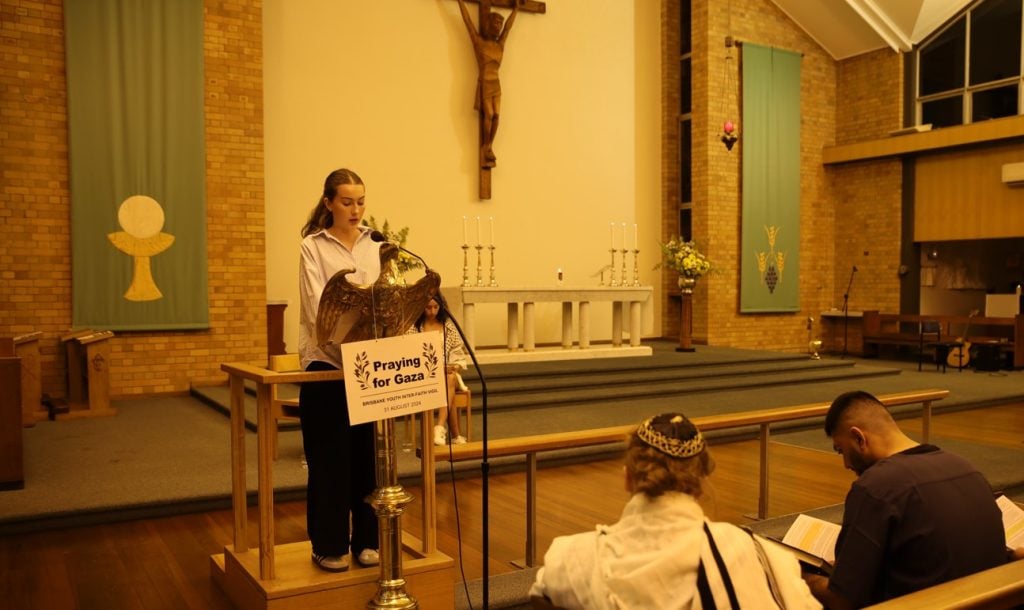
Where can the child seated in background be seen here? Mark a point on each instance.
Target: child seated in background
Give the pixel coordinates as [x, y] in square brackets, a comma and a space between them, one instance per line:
[435, 317]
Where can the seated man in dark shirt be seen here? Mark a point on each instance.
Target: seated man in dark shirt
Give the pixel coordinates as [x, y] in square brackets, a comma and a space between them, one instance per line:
[915, 517]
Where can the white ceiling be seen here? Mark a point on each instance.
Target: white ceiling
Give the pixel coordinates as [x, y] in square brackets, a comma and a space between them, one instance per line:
[846, 28]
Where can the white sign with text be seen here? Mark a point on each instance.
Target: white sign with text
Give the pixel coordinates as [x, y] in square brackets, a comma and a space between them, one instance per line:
[386, 378]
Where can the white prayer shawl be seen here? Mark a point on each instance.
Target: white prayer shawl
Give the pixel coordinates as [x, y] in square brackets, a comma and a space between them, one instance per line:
[649, 560]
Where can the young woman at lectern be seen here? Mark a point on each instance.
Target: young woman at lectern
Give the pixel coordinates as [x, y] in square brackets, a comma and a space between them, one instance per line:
[340, 456]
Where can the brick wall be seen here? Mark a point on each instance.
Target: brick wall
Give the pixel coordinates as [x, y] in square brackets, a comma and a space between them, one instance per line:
[716, 175]
[868, 194]
[849, 214]
[869, 92]
[34, 203]
[867, 209]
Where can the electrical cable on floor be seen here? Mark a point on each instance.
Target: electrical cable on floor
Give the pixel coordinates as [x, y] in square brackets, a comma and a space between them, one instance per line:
[458, 524]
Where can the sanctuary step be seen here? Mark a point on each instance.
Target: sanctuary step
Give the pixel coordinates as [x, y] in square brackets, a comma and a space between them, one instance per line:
[554, 390]
[665, 374]
[602, 384]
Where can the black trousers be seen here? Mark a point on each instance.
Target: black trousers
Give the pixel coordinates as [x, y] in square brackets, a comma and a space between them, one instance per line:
[340, 458]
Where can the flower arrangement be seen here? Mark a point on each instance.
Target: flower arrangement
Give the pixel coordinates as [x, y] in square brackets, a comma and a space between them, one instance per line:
[406, 262]
[684, 258]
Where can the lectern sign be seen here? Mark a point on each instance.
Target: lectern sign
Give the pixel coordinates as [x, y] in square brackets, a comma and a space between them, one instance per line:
[401, 375]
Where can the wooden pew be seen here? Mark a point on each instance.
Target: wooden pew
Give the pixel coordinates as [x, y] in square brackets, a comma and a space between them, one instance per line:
[1001, 587]
[903, 329]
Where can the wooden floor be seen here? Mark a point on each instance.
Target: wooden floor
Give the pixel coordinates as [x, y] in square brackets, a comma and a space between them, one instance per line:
[163, 563]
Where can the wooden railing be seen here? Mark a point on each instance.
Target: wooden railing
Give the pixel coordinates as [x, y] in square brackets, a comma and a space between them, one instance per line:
[530, 446]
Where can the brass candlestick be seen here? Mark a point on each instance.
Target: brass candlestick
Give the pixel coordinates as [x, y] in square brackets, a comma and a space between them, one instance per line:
[465, 265]
[636, 266]
[625, 282]
[494, 278]
[611, 270]
[813, 345]
[479, 265]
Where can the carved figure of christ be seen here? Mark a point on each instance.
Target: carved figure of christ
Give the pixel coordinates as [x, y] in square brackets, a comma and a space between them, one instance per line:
[489, 49]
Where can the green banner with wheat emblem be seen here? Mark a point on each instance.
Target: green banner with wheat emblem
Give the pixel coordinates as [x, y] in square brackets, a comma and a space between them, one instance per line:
[770, 236]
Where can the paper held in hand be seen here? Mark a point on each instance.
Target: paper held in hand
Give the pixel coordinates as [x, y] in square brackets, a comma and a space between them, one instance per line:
[813, 541]
[1013, 522]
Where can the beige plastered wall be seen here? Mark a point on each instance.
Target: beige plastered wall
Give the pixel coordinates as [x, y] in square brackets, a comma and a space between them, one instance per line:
[387, 88]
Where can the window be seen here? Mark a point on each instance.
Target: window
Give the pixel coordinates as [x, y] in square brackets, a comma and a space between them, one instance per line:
[971, 70]
[685, 121]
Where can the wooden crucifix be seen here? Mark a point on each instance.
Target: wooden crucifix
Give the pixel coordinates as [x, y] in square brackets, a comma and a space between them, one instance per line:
[489, 48]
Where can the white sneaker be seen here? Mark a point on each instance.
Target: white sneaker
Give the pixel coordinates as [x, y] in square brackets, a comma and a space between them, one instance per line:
[368, 557]
[459, 440]
[440, 435]
[331, 563]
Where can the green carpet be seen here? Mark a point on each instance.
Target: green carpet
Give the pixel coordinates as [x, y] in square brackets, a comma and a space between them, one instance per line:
[1002, 466]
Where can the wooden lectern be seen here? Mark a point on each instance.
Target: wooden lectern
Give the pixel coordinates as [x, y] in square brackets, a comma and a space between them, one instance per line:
[88, 355]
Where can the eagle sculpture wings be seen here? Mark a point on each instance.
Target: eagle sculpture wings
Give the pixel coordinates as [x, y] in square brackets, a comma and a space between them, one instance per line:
[386, 308]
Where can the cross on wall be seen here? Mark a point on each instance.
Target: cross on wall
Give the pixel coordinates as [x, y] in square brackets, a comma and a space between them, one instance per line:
[488, 37]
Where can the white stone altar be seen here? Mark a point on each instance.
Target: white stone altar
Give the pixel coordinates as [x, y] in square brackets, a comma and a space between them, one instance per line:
[625, 301]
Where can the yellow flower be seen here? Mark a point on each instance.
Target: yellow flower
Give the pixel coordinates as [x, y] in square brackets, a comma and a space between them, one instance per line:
[684, 258]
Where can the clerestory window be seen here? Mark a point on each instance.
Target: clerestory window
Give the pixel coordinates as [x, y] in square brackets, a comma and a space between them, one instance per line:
[970, 71]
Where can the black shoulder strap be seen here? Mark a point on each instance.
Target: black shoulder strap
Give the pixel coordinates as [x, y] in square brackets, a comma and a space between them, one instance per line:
[707, 600]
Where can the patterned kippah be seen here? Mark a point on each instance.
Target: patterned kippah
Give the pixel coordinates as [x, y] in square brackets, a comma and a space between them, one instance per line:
[672, 434]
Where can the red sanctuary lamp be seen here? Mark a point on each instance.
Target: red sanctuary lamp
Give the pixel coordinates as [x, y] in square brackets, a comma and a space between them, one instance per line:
[729, 135]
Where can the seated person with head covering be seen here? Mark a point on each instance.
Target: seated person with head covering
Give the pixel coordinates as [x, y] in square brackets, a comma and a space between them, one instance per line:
[664, 553]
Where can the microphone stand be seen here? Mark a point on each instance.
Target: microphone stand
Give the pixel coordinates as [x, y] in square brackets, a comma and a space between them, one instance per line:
[846, 312]
[485, 466]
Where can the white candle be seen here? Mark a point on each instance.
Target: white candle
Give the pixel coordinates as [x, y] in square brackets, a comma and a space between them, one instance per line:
[478, 230]
[492, 230]
[465, 238]
[635, 241]
[611, 233]
[623, 237]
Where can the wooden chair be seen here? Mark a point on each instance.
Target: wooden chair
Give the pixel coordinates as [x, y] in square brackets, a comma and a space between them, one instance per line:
[464, 400]
[282, 408]
[930, 336]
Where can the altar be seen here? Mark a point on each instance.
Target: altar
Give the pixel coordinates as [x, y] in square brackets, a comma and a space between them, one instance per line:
[627, 303]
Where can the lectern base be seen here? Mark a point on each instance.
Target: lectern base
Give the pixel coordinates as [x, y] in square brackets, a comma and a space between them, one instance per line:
[430, 579]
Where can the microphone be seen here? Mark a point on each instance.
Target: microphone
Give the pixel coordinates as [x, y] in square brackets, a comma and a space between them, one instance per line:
[379, 237]
[854, 267]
